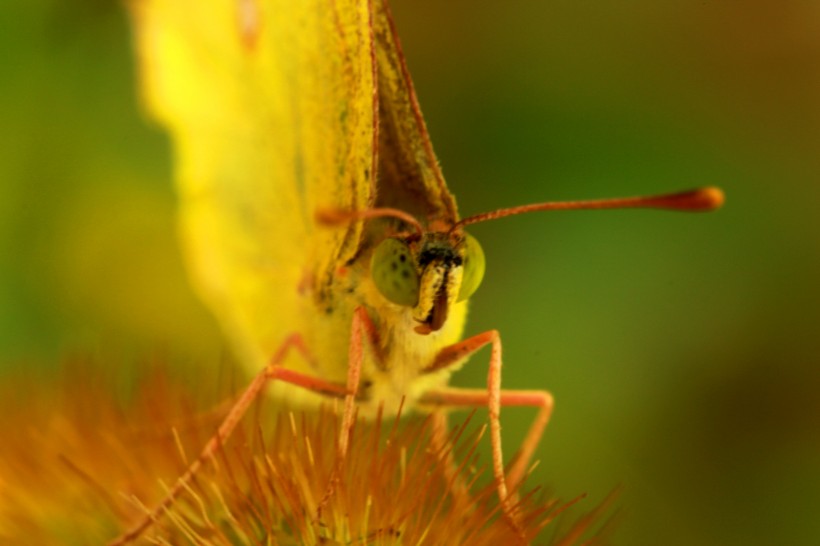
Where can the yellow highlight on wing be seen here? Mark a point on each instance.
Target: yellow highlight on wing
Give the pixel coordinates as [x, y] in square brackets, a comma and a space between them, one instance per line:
[272, 111]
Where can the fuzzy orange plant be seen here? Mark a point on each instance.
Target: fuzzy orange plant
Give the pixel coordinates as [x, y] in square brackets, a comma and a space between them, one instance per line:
[83, 457]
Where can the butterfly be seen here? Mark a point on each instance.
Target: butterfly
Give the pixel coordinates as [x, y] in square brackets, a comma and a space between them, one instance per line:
[315, 219]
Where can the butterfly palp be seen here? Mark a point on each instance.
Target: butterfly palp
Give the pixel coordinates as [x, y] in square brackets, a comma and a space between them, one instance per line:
[393, 270]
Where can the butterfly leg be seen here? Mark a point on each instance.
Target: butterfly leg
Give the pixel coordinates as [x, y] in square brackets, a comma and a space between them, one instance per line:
[361, 326]
[274, 371]
[494, 398]
[443, 444]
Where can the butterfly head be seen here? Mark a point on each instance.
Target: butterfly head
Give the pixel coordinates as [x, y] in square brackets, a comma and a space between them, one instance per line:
[428, 273]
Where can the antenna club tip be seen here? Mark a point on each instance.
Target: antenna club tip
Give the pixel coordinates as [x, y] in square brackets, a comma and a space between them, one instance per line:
[712, 197]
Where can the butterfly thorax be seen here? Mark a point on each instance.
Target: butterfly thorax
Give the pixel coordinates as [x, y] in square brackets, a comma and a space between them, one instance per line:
[399, 376]
[411, 336]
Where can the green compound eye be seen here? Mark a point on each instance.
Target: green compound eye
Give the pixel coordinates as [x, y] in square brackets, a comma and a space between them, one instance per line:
[474, 265]
[393, 271]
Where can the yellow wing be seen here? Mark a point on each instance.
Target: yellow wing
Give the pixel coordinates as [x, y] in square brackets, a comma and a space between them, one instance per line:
[278, 108]
[272, 110]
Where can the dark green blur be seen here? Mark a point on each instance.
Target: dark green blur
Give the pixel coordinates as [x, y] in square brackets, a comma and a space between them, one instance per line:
[682, 349]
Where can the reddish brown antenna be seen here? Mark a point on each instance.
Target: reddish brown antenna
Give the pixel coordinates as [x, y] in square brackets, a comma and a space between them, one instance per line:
[698, 200]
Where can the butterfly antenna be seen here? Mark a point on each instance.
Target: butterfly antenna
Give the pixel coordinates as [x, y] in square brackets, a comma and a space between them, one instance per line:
[334, 217]
[698, 200]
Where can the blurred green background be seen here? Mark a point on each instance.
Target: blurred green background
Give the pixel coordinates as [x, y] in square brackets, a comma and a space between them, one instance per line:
[682, 349]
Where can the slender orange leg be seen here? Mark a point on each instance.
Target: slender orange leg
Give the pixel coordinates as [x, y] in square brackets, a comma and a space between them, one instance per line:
[479, 397]
[361, 325]
[271, 372]
[442, 444]
[493, 398]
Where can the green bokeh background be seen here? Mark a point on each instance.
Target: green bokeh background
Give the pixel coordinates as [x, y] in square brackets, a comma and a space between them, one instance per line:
[682, 349]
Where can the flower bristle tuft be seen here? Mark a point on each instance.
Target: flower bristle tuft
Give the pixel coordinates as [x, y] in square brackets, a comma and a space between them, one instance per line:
[85, 456]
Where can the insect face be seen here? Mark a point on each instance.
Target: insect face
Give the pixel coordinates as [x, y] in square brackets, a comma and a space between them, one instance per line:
[428, 275]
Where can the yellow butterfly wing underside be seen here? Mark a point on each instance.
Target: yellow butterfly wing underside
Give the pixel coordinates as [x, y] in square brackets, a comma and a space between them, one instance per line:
[277, 109]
